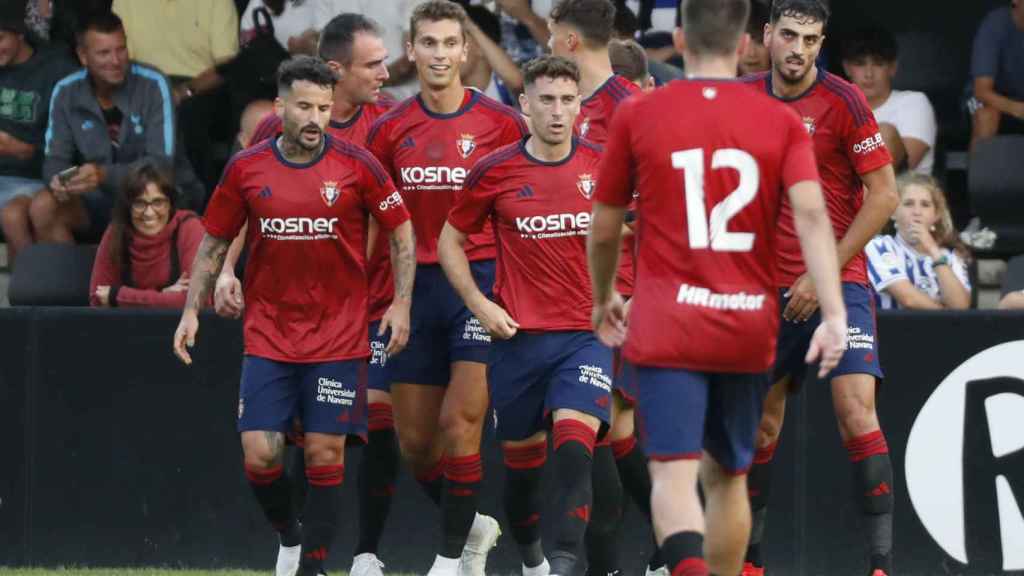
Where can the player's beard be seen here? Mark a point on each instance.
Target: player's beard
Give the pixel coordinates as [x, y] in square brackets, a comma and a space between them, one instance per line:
[793, 78]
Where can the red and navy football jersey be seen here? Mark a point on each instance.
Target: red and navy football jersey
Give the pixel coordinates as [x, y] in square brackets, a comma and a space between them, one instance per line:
[847, 143]
[595, 119]
[429, 156]
[541, 213]
[710, 190]
[305, 281]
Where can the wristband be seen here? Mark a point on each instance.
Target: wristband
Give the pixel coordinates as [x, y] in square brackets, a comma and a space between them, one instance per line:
[112, 296]
[940, 261]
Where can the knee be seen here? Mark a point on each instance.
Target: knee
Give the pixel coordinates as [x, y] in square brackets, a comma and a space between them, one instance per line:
[415, 448]
[458, 426]
[768, 430]
[261, 458]
[856, 417]
[15, 214]
[43, 209]
[330, 453]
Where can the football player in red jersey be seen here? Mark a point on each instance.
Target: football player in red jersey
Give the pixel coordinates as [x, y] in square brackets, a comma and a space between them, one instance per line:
[352, 47]
[860, 191]
[308, 197]
[703, 318]
[429, 143]
[546, 370]
[581, 30]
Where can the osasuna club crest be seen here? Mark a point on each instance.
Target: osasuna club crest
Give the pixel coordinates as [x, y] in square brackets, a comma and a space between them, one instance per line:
[809, 124]
[465, 145]
[329, 192]
[584, 127]
[586, 185]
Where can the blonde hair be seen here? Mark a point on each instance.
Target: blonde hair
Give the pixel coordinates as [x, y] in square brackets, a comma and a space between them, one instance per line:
[945, 233]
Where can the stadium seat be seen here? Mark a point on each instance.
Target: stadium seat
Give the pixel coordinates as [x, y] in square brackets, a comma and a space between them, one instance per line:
[52, 275]
[1014, 279]
[995, 181]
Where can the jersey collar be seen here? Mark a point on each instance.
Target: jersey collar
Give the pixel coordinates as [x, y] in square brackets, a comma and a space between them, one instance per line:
[768, 86]
[468, 101]
[290, 164]
[339, 125]
[535, 160]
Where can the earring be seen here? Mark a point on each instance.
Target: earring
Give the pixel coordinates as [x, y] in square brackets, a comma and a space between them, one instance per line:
[932, 228]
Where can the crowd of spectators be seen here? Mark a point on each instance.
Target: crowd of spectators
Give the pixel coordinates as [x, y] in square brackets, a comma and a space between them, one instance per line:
[123, 113]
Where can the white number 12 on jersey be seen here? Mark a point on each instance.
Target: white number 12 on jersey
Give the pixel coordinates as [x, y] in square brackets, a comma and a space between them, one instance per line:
[713, 232]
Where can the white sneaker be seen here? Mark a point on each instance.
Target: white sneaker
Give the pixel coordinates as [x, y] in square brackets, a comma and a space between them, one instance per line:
[482, 537]
[366, 564]
[663, 571]
[288, 560]
[540, 570]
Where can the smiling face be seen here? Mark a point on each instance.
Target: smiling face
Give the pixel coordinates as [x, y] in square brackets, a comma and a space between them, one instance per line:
[105, 56]
[150, 210]
[438, 49]
[552, 105]
[794, 43]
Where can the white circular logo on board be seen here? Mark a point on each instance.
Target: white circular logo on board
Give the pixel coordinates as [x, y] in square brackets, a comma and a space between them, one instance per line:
[935, 460]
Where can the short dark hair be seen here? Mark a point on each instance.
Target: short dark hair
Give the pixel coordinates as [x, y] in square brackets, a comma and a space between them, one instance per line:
[814, 10]
[435, 11]
[104, 22]
[872, 41]
[338, 36]
[486, 21]
[595, 19]
[760, 14]
[629, 59]
[714, 27]
[304, 68]
[550, 67]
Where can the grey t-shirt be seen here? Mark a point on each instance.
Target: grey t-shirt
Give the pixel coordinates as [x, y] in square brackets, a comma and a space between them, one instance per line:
[24, 105]
[999, 53]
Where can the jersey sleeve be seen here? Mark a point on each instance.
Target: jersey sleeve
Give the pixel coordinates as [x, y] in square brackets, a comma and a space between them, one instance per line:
[616, 178]
[959, 268]
[381, 198]
[799, 163]
[474, 203]
[378, 142]
[860, 136]
[885, 265]
[227, 211]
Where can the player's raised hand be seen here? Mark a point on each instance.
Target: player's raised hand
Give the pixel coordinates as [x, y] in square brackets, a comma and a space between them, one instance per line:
[803, 300]
[227, 296]
[397, 319]
[609, 320]
[496, 320]
[185, 336]
[827, 344]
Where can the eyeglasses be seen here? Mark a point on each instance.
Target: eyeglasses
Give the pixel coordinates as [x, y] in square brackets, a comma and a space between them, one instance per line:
[158, 205]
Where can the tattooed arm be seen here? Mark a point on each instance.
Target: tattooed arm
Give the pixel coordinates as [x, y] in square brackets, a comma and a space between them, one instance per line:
[403, 265]
[205, 269]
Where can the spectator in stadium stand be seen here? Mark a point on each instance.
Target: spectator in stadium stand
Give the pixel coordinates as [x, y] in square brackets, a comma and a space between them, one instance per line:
[524, 27]
[756, 57]
[998, 72]
[28, 73]
[187, 40]
[922, 265]
[145, 256]
[488, 68]
[905, 117]
[630, 61]
[250, 121]
[626, 26]
[102, 119]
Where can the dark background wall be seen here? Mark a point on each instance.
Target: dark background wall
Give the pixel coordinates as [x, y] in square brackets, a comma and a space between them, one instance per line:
[115, 454]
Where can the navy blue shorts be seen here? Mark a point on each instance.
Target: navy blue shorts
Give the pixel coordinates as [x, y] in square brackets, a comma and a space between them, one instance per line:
[378, 376]
[861, 356]
[533, 374]
[680, 413]
[328, 397]
[624, 383]
[442, 329]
